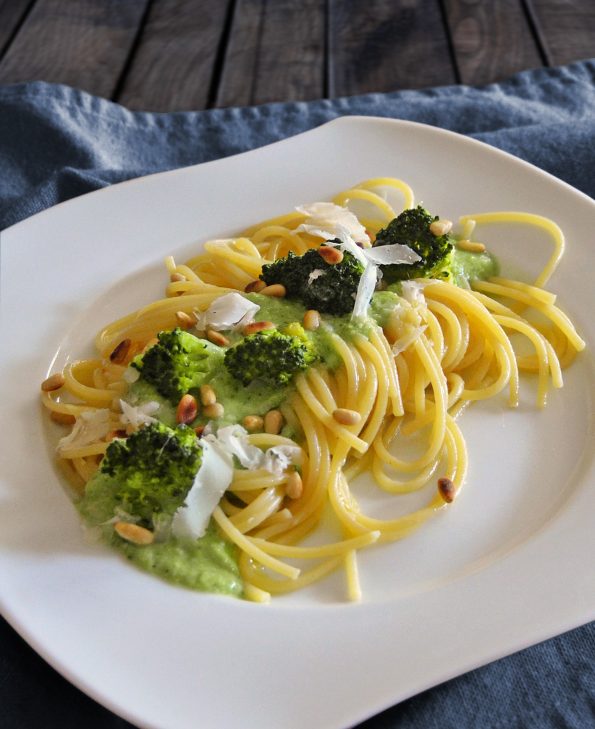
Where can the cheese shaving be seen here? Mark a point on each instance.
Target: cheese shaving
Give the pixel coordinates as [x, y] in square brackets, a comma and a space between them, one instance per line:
[407, 339]
[226, 312]
[278, 459]
[137, 416]
[413, 292]
[210, 483]
[90, 426]
[328, 221]
[365, 290]
[395, 253]
[233, 439]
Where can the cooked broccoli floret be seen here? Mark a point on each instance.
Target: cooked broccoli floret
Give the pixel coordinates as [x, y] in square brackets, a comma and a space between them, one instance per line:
[270, 356]
[179, 362]
[328, 288]
[145, 476]
[412, 228]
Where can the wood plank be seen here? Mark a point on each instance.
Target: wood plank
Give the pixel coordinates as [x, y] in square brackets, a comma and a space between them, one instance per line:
[174, 64]
[567, 27]
[491, 39]
[12, 13]
[383, 45]
[275, 52]
[83, 44]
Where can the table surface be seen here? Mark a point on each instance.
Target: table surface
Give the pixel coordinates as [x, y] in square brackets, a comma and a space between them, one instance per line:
[165, 55]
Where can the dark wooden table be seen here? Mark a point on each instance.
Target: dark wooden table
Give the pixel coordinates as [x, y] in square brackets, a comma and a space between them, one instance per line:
[165, 55]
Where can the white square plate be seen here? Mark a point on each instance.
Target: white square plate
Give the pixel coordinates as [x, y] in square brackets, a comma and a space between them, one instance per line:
[509, 565]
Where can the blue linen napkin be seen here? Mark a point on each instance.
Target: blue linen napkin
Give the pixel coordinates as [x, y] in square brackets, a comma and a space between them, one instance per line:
[57, 142]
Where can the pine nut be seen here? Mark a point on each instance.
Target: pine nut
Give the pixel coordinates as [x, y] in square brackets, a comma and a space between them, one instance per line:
[311, 320]
[217, 338]
[273, 422]
[214, 411]
[447, 490]
[471, 246]
[277, 290]
[187, 409]
[53, 382]
[120, 352]
[257, 326]
[253, 423]
[346, 417]
[185, 320]
[331, 255]
[134, 533]
[255, 286]
[207, 395]
[177, 277]
[440, 227]
[294, 486]
[62, 418]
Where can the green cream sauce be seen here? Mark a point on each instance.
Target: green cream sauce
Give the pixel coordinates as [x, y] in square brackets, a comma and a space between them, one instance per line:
[208, 564]
[240, 400]
[467, 266]
[283, 312]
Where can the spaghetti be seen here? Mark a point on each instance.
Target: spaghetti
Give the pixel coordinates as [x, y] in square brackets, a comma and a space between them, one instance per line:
[438, 348]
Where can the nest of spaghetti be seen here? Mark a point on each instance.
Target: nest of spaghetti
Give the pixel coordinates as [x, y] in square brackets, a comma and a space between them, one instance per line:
[220, 426]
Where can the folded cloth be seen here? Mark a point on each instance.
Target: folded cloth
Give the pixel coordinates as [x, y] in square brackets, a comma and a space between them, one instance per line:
[57, 142]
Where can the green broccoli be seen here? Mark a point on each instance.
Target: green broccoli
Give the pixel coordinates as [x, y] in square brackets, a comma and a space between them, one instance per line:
[145, 476]
[328, 288]
[270, 356]
[412, 228]
[178, 363]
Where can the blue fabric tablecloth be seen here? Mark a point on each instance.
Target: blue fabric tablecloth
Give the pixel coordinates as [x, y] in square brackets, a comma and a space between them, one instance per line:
[56, 143]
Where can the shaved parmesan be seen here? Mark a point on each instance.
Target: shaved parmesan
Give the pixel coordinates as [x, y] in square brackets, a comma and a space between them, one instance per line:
[413, 291]
[210, 483]
[278, 458]
[216, 474]
[327, 220]
[233, 439]
[395, 253]
[365, 290]
[226, 312]
[349, 245]
[407, 339]
[330, 222]
[139, 415]
[90, 426]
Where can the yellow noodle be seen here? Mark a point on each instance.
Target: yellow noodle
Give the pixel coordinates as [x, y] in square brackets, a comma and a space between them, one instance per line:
[318, 552]
[460, 351]
[529, 219]
[251, 549]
